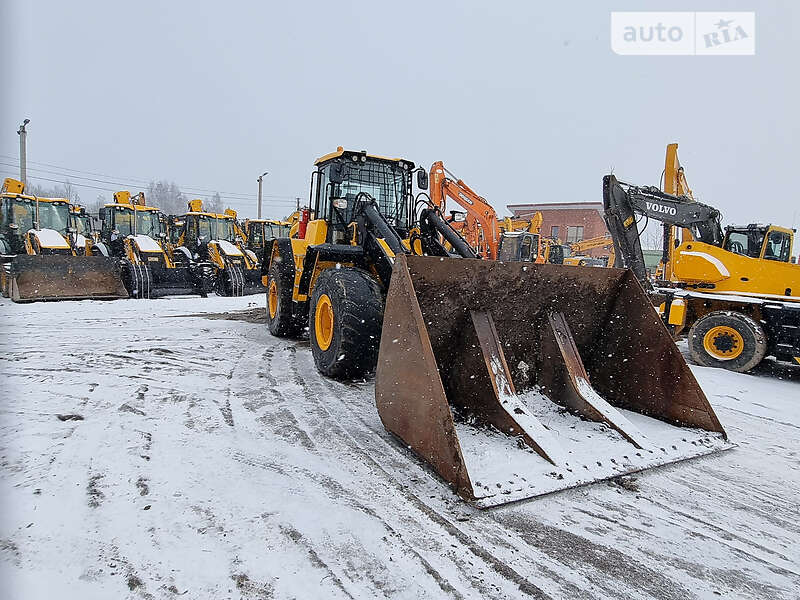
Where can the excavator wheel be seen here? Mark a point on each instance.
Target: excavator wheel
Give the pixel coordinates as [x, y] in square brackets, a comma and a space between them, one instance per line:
[344, 323]
[727, 339]
[282, 323]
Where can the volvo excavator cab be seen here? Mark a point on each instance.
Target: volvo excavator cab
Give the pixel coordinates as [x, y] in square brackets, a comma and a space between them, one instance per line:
[510, 379]
[768, 242]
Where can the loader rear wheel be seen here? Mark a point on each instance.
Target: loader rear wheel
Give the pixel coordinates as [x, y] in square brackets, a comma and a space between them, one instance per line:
[729, 340]
[282, 323]
[344, 323]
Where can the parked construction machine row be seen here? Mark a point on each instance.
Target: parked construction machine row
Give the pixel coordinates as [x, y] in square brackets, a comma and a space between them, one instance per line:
[40, 253]
[51, 249]
[734, 290]
[510, 379]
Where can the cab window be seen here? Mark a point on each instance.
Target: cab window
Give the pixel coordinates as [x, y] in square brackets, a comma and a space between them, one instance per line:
[746, 243]
[778, 246]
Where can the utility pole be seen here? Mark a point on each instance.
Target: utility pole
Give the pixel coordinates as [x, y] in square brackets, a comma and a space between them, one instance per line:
[260, 179]
[298, 203]
[23, 163]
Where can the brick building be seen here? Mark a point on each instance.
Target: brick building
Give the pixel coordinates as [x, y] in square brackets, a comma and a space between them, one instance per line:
[568, 221]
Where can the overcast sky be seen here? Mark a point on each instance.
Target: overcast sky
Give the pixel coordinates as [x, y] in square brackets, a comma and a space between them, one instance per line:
[525, 101]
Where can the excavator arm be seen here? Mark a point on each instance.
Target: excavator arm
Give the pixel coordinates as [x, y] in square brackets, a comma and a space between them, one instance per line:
[622, 202]
[446, 185]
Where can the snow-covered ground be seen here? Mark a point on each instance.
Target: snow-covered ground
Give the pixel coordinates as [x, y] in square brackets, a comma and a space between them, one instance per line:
[152, 449]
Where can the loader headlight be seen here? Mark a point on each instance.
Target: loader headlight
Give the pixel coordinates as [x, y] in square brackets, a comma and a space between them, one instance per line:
[363, 158]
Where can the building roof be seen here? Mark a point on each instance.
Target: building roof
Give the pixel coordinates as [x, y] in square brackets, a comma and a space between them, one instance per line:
[518, 208]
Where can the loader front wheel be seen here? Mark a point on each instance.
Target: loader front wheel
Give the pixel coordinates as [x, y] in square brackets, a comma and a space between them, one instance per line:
[344, 323]
[729, 340]
[282, 323]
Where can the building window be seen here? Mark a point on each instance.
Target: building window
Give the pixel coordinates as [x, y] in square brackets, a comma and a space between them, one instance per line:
[554, 232]
[574, 234]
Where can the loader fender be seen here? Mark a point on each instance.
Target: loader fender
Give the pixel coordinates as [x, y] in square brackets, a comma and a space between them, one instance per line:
[285, 317]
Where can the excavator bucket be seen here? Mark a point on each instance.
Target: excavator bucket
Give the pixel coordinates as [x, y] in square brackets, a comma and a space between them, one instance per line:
[58, 277]
[515, 380]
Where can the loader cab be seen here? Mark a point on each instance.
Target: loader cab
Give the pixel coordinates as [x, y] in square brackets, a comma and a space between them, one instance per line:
[767, 242]
[121, 220]
[20, 213]
[342, 175]
[260, 231]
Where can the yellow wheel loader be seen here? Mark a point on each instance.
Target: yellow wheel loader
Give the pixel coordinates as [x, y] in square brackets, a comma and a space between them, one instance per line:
[134, 233]
[38, 259]
[510, 379]
[736, 291]
[218, 240]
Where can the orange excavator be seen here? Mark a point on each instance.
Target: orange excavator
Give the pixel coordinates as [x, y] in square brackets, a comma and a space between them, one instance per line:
[480, 225]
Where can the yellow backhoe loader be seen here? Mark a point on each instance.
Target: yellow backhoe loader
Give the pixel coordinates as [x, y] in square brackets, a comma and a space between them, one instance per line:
[134, 233]
[38, 259]
[82, 233]
[736, 291]
[510, 379]
[258, 231]
[218, 240]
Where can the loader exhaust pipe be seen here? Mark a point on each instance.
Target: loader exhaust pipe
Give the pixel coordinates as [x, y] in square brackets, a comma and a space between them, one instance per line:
[515, 379]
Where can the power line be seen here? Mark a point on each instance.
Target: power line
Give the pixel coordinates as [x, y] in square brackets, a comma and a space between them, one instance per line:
[138, 181]
[126, 184]
[239, 201]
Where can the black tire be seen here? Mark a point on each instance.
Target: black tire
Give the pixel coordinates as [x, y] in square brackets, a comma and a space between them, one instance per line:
[283, 322]
[137, 279]
[727, 332]
[357, 317]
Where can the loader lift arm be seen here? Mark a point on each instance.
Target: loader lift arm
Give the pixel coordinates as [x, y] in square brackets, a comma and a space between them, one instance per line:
[622, 202]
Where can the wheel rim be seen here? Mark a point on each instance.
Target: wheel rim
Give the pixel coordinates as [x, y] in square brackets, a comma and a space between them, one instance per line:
[723, 342]
[323, 322]
[272, 299]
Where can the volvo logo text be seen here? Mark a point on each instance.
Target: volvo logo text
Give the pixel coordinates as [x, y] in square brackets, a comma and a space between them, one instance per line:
[660, 208]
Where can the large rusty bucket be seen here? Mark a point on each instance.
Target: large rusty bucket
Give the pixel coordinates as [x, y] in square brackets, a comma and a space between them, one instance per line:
[515, 379]
[64, 277]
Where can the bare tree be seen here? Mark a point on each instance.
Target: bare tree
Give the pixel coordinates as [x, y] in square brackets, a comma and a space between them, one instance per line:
[167, 196]
[214, 204]
[61, 190]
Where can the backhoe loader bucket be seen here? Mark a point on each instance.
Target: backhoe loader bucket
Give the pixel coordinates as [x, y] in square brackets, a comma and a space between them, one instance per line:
[516, 379]
[57, 277]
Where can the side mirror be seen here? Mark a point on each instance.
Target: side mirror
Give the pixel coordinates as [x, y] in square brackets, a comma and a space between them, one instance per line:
[422, 179]
[102, 214]
[337, 172]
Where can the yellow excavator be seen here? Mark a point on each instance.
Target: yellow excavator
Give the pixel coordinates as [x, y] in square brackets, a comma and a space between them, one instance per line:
[511, 379]
[736, 291]
[576, 256]
[38, 259]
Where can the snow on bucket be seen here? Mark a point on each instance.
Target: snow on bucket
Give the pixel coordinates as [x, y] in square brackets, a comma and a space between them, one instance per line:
[515, 380]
